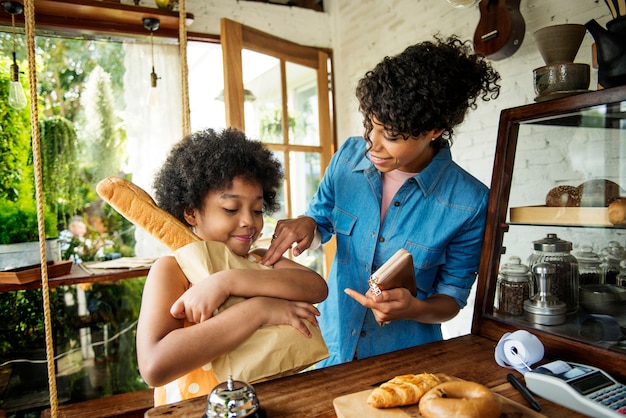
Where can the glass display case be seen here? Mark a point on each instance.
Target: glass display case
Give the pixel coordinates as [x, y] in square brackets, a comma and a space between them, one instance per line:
[558, 168]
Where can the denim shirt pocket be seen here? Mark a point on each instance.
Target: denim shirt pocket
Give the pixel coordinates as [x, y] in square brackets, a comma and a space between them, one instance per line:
[343, 223]
[427, 261]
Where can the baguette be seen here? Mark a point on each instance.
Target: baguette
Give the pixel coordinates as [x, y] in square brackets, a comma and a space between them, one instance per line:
[403, 390]
[139, 208]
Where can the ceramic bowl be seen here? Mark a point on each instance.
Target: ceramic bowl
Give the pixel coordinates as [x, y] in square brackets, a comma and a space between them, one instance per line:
[559, 44]
[605, 299]
[558, 78]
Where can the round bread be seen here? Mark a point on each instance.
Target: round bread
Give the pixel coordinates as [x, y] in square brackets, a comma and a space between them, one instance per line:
[460, 400]
[598, 192]
[563, 196]
[617, 211]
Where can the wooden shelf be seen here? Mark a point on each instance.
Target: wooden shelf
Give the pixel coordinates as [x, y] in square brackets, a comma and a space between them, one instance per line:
[544, 215]
[92, 16]
[78, 275]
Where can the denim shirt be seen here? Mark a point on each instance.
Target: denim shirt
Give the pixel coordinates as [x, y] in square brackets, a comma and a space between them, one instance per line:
[437, 215]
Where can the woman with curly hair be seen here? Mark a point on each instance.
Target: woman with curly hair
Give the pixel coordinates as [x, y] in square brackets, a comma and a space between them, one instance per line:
[219, 184]
[397, 187]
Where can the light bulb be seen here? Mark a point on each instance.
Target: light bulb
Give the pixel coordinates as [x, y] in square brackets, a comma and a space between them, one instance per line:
[17, 98]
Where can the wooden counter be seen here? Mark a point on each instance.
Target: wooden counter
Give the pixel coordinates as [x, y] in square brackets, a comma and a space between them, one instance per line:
[311, 394]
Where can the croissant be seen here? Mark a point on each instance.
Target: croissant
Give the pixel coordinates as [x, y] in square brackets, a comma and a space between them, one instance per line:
[404, 390]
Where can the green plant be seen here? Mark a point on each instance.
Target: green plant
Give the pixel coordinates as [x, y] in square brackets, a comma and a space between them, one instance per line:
[19, 222]
[22, 321]
[59, 157]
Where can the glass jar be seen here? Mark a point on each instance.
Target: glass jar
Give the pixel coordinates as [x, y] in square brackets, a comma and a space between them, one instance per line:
[612, 255]
[513, 287]
[621, 277]
[557, 252]
[589, 266]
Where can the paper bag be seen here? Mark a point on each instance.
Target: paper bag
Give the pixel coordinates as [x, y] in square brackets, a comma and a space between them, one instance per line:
[270, 352]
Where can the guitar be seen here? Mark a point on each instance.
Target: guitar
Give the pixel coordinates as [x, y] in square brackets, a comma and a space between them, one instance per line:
[501, 28]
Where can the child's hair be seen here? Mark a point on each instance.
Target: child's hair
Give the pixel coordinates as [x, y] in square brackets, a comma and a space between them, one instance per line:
[208, 161]
[428, 86]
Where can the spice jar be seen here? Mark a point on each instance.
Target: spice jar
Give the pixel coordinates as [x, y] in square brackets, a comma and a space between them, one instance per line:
[612, 255]
[513, 287]
[564, 284]
[589, 269]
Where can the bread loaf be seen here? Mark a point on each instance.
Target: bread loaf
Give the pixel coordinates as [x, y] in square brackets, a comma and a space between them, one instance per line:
[598, 192]
[139, 208]
[617, 211]
[563, 196]
[404, 390]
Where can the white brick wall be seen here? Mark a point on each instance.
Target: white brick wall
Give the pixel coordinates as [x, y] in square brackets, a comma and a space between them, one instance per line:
[362, 32]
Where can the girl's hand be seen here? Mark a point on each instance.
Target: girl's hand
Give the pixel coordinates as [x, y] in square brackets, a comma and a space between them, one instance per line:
[389, 305]
[284, 312]
[200, 301]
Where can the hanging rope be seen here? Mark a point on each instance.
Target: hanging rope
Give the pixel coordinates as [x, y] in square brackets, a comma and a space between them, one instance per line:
[29, 19]
[184, 71]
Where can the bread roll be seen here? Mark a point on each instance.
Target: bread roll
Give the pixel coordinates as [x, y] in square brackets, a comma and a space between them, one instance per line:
[598, 193]
[563, 196]
[403, 390]
[139, 208]
[460, 400]
[617, 211]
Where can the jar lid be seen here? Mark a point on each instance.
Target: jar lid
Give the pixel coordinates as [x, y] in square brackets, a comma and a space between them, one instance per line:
[586, 255]
[232, 399]
[514, 267]
[552, 244]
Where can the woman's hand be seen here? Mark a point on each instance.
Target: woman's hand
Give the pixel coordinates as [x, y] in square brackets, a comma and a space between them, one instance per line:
[398, 303]
[289, 231]
[201, 300]
[283, 312]
[388, 306]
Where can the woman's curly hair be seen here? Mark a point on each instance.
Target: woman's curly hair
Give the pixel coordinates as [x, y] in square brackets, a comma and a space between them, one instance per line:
[207, 161]
[430, 85]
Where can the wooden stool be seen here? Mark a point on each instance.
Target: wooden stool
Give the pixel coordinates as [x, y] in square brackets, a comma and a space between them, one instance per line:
[129, 405]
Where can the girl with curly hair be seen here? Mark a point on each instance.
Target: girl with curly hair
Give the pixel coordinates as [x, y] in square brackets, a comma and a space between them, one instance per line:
[398, 187]
[219, 184]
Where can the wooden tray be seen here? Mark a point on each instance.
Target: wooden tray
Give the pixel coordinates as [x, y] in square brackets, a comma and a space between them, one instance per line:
[545, 215]
[355, 406]
[32, 273]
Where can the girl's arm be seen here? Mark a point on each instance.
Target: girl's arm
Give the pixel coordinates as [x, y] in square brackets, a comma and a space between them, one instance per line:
[287, 280]
[166, 350]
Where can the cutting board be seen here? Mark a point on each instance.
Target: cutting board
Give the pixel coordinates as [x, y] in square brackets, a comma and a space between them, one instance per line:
[355, 406]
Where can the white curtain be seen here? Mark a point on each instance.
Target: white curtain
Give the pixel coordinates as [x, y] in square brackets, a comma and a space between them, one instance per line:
[151, 128]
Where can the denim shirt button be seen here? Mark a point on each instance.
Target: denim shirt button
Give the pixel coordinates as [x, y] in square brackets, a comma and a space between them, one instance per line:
[381, 239]
[396, 204]
[363, 333]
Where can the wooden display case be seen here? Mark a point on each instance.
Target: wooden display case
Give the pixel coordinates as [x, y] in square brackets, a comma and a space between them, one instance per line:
[565, 141]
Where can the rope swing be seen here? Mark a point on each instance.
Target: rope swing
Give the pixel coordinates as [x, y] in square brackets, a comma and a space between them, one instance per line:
[184, 71]
[29, 29]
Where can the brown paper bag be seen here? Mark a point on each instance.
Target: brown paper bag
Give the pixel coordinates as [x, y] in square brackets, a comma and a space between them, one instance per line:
[270, 352]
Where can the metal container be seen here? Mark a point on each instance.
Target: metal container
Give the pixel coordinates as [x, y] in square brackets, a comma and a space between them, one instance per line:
[233, 399]
[564, 284]
[544, 308]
